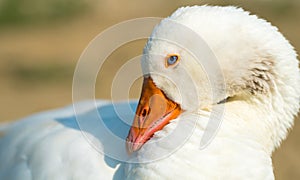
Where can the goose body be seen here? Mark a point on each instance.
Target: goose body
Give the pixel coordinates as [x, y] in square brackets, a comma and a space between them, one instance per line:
[252, 97]
[50, 145]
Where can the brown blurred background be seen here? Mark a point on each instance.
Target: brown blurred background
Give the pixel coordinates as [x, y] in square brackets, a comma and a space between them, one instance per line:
[41, 41]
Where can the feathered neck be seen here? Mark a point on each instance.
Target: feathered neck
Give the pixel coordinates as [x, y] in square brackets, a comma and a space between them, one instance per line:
[233, 149]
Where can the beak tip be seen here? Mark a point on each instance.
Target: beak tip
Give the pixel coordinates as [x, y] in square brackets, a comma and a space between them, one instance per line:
[131, 147]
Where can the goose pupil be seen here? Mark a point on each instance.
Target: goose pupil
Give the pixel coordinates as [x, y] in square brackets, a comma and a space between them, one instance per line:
[172, 59]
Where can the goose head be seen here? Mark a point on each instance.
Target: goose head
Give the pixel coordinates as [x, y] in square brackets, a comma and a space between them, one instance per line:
[203, 56]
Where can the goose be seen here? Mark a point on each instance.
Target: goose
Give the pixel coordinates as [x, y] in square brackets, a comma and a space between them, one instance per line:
[221, 89]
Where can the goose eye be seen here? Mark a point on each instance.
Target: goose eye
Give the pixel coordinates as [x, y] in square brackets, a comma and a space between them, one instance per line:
[172, 59]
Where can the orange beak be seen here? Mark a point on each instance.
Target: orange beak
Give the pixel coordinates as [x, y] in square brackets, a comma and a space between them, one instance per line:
[154, 111]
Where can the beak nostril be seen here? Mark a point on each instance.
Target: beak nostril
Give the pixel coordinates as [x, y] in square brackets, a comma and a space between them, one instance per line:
[144, 112]
[142, 116]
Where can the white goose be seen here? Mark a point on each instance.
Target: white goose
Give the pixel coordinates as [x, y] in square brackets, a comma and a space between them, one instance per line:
[260, 93]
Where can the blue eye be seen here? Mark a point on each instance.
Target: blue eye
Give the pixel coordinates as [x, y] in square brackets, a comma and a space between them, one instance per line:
[172, 59]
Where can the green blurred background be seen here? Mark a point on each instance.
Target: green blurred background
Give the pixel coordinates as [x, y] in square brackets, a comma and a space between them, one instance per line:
[41, 41]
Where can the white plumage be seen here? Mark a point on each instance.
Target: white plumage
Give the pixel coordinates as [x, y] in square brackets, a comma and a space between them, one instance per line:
[262, 85]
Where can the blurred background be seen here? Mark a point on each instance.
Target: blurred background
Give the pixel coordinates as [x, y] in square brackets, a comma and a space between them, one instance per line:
[41, 41]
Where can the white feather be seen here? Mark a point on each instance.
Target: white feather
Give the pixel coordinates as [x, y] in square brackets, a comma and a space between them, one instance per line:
[262, 79]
